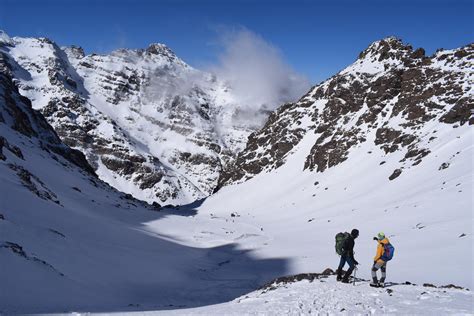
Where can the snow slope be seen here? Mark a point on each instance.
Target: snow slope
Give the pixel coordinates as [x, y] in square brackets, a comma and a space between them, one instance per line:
[426, 213]
[385, 145]
[326, 296]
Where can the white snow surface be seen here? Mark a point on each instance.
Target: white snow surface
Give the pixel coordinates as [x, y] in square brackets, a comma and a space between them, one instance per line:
[118, 257]
[328, 297]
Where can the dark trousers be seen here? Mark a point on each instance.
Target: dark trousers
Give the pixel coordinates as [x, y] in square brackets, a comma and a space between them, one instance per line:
[343, 261]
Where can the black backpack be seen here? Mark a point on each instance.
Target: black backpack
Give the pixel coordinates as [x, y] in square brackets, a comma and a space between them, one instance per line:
[340, 241]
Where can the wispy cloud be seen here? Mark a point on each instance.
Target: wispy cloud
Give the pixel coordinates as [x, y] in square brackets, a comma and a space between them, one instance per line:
[256, 70]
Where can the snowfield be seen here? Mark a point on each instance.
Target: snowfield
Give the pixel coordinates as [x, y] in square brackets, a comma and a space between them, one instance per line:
[99, 252]
[327, 297]
[426, 212]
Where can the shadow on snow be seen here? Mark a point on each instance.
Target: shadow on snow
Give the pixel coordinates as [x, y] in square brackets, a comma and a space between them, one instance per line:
[113, 264]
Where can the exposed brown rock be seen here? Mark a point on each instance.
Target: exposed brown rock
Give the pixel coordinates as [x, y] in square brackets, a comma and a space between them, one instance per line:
[395, 174]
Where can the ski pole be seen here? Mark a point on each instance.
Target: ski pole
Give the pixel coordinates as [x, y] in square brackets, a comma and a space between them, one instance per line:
[355, 272]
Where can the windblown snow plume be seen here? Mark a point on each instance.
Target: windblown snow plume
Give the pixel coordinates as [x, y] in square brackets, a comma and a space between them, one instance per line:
[257, 72]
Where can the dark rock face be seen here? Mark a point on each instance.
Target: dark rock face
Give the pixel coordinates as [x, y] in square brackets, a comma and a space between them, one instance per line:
[327, 154]
[267, 146]
[461, 112]
[391, 139]
[388, 83]
[272, 285]
[34, 184]
[30, 123]
[18, 250]
[12, 148]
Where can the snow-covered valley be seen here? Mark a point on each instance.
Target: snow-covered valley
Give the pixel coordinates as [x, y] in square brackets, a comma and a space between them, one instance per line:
[327, 163]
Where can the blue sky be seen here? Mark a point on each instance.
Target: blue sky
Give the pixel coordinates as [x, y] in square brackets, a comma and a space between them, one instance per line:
[316, 38]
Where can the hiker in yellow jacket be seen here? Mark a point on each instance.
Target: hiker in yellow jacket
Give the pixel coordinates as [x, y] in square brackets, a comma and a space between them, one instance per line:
[379, 263]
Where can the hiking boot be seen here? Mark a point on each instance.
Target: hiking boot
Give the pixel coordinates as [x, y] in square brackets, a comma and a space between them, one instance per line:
[345, 280]
[338, 278]
[372, 284]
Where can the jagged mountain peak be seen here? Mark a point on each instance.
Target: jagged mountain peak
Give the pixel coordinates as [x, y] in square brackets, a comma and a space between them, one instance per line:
[389, 42]
[156, 55]
[388, 53]
[163, 51]
[160, 49]
[39, 43]
[4, 38]
[76, 51]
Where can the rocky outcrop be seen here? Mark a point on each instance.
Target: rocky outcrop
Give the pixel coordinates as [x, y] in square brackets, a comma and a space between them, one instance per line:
[19, 251]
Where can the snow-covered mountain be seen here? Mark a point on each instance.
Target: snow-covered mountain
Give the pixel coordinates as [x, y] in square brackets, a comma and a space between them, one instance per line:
[69, 242]
[392, 97]
[148, 123]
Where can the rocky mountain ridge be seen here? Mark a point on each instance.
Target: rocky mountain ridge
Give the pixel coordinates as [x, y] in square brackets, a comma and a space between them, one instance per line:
[151, 125]
[393, 96]
[148, 123]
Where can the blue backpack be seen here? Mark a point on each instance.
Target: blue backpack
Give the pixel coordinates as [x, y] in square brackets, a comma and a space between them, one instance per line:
[388, 251]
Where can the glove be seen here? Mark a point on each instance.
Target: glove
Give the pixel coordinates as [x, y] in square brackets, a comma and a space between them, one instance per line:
[356, 263]
[375, 238]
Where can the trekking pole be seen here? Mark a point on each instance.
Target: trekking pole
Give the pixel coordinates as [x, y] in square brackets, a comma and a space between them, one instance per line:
[355, 272]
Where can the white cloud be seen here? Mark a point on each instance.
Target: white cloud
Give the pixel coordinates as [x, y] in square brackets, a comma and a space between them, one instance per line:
[256, 71]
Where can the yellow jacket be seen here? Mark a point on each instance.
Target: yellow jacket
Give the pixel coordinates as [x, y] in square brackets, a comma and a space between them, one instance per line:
[380, 250]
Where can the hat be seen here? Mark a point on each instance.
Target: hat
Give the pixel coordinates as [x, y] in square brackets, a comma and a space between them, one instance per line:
[355, 233]
[381, 236]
